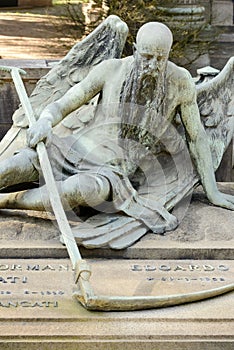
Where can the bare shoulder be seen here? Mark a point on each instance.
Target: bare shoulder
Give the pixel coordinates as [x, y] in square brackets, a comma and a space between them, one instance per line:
[179, 75]
[181, 80]
[110, 66]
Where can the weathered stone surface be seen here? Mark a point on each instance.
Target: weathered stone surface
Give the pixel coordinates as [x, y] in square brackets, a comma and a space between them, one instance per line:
[205, 232]
[38, 311]
[27, 225]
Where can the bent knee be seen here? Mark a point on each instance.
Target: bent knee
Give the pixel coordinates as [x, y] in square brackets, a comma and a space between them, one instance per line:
[87, 189]
[94, 189]
[102, 187]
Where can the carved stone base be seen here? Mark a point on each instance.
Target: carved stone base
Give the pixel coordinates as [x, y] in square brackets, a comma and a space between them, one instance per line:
[38, 310]
[205, 232]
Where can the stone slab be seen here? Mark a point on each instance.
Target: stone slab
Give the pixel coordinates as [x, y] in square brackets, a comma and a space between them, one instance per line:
[37, 310]
[205, 232]
[146, 249]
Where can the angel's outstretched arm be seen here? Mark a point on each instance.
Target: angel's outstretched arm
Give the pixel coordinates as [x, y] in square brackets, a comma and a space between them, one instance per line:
[74, 98]
[200, 149]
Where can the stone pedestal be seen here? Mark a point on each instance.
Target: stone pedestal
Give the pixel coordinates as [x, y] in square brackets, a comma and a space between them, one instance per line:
[39, 310]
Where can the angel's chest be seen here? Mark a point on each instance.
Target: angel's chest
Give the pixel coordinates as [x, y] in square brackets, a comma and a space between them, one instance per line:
[171, 102]
[114, 84]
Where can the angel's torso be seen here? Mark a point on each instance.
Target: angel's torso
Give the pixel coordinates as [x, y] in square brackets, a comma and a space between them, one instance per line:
[100, 139]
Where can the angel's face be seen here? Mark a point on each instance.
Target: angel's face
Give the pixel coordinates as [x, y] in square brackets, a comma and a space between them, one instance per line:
[151, 60]
[153, 44]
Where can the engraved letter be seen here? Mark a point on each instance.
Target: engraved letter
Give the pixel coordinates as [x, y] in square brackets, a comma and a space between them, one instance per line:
[180, 268]
[136, 268]
[48, 267]
[35, 267]
[164, 268]
[16, 267]
[223, 268]
[150, 268]
[194, 267]
[2, 280]
[208, 268]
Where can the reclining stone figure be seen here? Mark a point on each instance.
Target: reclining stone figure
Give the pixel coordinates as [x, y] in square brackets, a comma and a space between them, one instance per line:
[153, 136]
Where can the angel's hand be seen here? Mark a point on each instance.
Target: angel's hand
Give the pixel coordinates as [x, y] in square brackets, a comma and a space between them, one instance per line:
[40, 131]
[222, 200]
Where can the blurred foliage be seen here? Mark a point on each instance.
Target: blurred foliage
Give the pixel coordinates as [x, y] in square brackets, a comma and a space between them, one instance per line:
[69, 20]
[79, 17]
[192, 37]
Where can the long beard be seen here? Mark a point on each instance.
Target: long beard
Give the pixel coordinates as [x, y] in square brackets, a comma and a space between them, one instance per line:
[142, 110]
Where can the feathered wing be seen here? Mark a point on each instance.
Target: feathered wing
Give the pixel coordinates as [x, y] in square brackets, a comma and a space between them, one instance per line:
[216, 105]
[106, 41]
[116, 231]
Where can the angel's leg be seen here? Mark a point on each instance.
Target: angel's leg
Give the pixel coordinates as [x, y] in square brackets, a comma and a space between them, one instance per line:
[18, 169]
[84, 189]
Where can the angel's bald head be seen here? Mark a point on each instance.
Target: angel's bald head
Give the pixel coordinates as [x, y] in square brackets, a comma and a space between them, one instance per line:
[154, 37]
[145, 86]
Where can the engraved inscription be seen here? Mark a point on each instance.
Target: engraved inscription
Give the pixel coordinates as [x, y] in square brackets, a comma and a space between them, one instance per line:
[47, 292]
[187, 279]
[13, 279]
[48, 284]
[27, 303]
[189, 267]
[37, 284]
[35, 267]
[167, 273]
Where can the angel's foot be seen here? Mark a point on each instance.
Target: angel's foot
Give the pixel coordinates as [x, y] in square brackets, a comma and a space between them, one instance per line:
[223, 200]
[160, 221]
[170, 224]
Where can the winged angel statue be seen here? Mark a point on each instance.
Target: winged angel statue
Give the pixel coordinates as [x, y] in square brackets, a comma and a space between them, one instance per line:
[128, 137]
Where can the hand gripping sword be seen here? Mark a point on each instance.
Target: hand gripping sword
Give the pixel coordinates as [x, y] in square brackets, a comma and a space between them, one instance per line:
[85, 295]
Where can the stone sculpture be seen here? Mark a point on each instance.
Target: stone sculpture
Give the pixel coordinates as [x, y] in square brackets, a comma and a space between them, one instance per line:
[131, 136]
